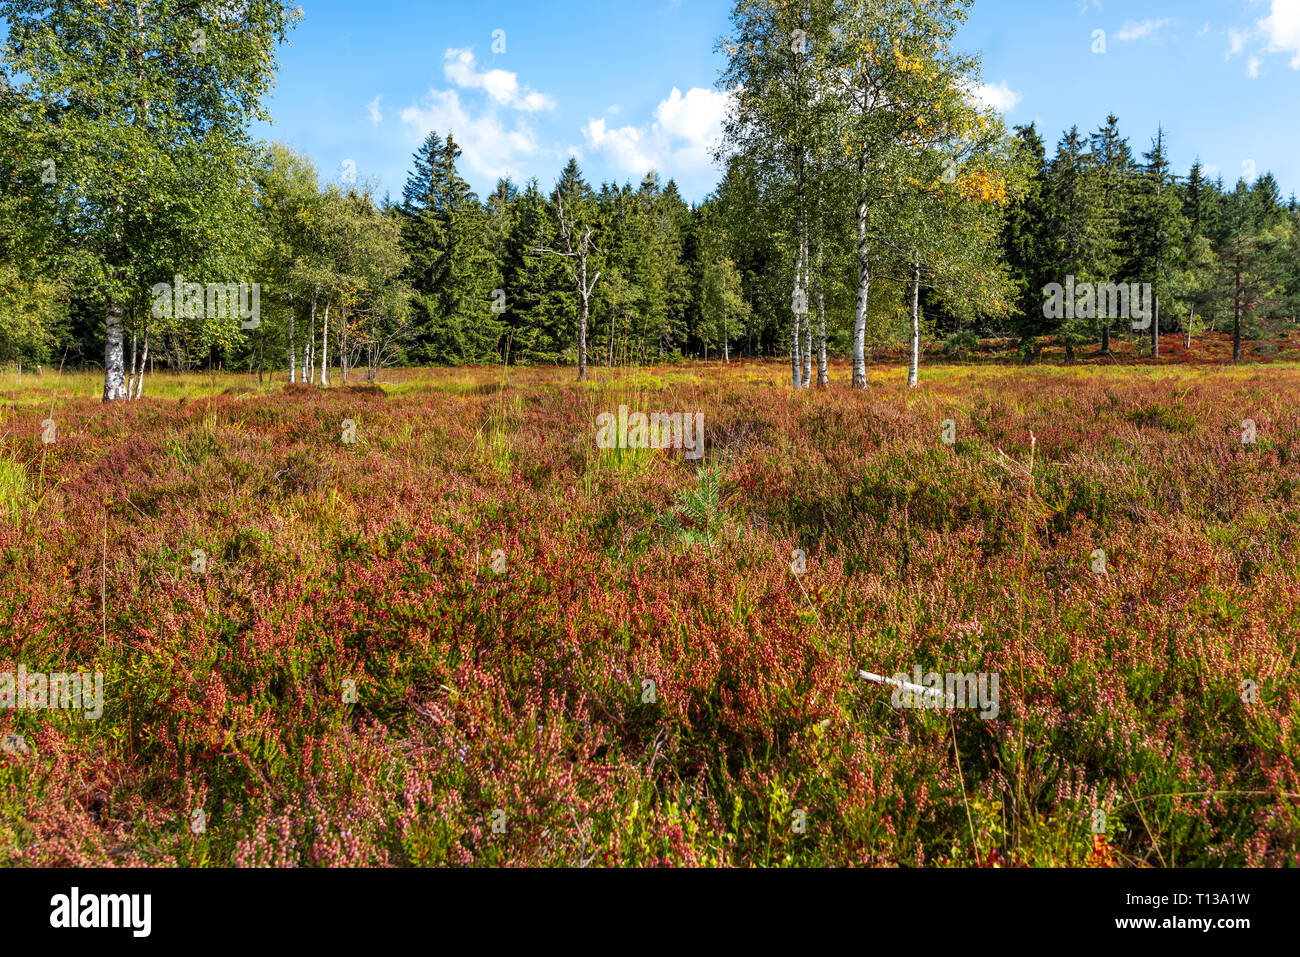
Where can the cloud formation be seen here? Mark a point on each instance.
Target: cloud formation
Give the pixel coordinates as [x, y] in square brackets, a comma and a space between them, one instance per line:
[999, 96]
[678, 142]
[487, 112]
[502, 86]
[1279, 32]
[1134, 30]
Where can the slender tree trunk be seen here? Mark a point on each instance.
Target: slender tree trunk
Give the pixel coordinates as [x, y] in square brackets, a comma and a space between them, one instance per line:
[726, 342]
[343, 343]
[1160, 248]
[130, 379]
[325, 349]
[1191, 321]
[805, 315]
[914, 372]
[807, 352]
[1236, 313]
[144, 360]
[1155, 330]
[582, 328]
[293, 355]
[798, 310]
[864, 293]
[1105, 339]
[807, 319]
[309, 347]
[114, 374]
[794, 348]
[799, 297]
[823, 370]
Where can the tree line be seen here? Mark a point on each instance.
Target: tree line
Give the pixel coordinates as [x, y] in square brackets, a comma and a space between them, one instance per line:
[867, 200]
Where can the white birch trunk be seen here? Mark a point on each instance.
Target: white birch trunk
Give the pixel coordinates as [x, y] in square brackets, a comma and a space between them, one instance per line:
[343, 344]
[914, 372]
[798, 310]
[135, 357]
[144, 361]
[325, 349]
[114, 373]
[807, 353]
[864, 293]
[293, 356]
[823, 370]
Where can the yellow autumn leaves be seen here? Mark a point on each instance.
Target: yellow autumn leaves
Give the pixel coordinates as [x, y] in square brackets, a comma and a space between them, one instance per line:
[908, 64]
[981, 186]
[977, 186]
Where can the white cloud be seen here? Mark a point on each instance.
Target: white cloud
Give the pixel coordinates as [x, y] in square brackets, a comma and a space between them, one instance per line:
[696, 117]
[1133, 30]
[628, 149]
[376, 117]
[501, 85]
[1279, 32]
[491, 146]
[1281, 29]
[489, 122]
[679, 142]
[1236, 42]
[999, 96]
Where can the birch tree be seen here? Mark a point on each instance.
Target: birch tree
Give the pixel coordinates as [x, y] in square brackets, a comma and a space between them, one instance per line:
[777, 121]
[949, 215]
[289, 199]
[143, 109]
[898, 80]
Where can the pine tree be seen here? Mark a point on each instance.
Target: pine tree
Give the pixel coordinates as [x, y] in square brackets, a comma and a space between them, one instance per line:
[1112, 170]
[1245, 263]
[1073, 229]
[1158, 229]
[453, 267]
[1026, 240]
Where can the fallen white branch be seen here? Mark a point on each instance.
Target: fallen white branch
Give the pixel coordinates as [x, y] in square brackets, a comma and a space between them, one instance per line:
[924, 693]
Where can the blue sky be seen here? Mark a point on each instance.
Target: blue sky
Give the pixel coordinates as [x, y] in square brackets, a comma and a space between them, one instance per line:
[626, 86]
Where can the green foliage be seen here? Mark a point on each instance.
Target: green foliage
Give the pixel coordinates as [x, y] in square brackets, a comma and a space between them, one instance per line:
[453, 260]
[960, 343]
[852, 156]
[699, 517]
[139, 113]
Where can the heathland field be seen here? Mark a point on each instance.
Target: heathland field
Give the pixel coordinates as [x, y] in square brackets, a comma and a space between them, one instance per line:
[433, 623]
